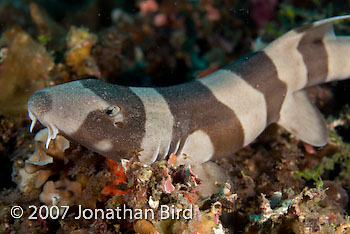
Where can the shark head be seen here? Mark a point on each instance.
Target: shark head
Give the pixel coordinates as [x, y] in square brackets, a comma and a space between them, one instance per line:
[106, 118]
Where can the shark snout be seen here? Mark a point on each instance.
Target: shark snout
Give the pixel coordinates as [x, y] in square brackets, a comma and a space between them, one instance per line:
[40, 103]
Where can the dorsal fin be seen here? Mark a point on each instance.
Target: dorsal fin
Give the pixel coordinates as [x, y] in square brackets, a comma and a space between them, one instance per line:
[301, 118]
[301, 56]
[323, 28]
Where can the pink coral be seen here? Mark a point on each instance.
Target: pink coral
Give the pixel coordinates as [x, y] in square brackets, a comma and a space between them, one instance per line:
[160, 20]
[213, 13]
[147, 6]
[262, 10]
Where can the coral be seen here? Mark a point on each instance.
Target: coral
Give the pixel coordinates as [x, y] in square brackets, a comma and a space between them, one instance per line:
[148, 6]
[166, 184]
[39, 166]
[213, 13]
[307, 212]
[121, 17]
[61, 193]
[23, 70]
[56, 148]
[335, 154]
[120, 177]
[145, 227]
[262, 10]
[14, 13]
[114, 53]
[27, 181]
[277, 184]
[78, 56]
[51, 32]
[202, 222]
[335, 192]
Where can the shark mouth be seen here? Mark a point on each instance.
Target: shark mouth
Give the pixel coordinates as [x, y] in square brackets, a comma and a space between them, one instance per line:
[52, 133]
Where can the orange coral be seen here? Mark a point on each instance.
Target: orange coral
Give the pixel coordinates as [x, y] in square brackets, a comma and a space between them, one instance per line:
[120, 177]
[145, 227]
[193, 198]
[80, 41]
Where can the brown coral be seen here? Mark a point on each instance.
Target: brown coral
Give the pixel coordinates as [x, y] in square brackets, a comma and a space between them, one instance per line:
[47, 27]
[24, 69]
[38, 167]
[335, 192]
[62, 192]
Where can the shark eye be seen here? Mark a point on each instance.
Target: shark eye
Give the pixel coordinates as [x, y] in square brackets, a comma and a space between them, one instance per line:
[112, 110]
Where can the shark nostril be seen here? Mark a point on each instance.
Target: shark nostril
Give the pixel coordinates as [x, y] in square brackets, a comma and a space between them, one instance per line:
[40, 102]
[118, 124]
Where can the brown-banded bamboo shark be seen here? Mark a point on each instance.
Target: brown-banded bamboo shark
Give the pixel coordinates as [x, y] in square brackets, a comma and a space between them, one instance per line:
[207, 118]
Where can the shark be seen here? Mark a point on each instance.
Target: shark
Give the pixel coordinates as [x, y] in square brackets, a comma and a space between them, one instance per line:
[208, 118]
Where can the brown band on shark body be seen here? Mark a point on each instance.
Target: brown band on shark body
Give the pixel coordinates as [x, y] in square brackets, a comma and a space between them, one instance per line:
[313, 50]
[124, 140]
[194, 107]
[260, 72]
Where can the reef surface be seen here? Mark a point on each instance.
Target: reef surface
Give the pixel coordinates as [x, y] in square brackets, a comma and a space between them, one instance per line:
[278, 184]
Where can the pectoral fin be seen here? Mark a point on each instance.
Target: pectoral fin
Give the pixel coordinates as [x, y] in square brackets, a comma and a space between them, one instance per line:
[212, 176]
[301, 118]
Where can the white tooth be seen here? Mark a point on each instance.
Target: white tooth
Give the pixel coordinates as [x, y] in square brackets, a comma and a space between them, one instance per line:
[33, 119]
[32, 125]
[49, 135]
[48, 142]
[54, 132]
